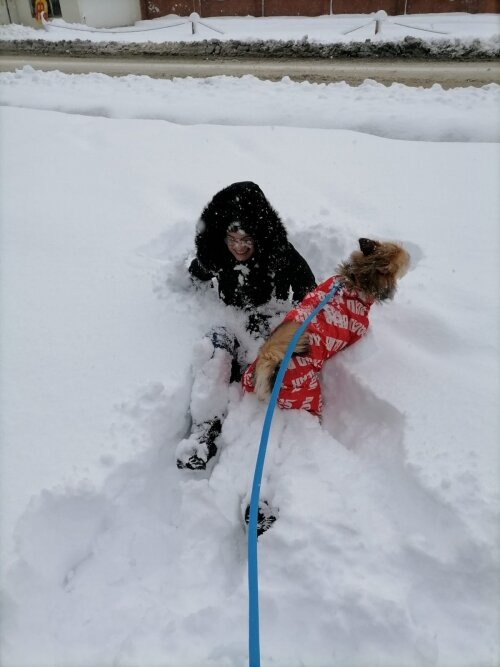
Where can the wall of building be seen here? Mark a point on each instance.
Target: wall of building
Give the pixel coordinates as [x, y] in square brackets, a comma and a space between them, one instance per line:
[400, 7]
[95, 13]
[108, 14]
[470, 6]
[114, 13]
[230, 7]
[156, 8]
[70, 11]
[296, 7]
[4, 14]
[22, 8]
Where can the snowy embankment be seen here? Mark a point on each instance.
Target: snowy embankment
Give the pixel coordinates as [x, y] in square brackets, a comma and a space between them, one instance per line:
[386, 548]
[396, 111]
[453, 36]
[405, 49]
[334, 29]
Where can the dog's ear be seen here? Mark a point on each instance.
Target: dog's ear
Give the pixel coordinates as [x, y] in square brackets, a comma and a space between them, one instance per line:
[367, 246]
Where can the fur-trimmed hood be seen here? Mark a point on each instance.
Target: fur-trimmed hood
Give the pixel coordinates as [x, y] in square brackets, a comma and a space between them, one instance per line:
[245, 206]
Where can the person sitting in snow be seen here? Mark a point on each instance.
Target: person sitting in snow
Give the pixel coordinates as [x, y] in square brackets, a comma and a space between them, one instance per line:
[242, 243]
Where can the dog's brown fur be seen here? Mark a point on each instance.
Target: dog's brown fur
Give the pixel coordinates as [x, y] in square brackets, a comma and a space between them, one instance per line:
[272, 353]
[373, 270]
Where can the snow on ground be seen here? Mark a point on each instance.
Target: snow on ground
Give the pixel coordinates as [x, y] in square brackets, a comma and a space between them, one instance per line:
[323, 29]
[386, 547]
[396, 111]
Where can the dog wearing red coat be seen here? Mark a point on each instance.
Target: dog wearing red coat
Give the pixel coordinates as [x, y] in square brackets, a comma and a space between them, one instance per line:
[369, 276]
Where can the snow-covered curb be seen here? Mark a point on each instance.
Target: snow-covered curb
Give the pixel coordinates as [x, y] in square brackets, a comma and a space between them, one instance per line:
[395, 112]
[407, 48]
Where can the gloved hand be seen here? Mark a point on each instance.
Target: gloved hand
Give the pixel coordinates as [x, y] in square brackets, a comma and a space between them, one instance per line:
[258, 324]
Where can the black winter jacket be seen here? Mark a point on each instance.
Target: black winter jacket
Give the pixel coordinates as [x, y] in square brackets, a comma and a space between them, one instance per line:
[275, 267]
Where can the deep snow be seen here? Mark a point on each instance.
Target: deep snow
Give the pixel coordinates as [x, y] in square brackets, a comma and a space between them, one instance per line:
[386, 548]
[323, 29]
[396, 111]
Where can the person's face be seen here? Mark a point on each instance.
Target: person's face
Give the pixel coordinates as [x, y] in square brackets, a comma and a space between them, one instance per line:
[240, 245]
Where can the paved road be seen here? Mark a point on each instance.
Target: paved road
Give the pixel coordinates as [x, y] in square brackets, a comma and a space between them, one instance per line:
[414, 73]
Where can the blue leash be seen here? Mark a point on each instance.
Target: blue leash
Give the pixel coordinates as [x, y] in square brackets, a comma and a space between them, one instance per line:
[253, 575]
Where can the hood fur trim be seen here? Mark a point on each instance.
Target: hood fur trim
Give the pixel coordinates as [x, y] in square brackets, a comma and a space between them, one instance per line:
[242, 204]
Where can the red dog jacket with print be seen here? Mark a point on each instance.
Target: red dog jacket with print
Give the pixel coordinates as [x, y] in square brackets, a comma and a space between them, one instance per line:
[342, 322]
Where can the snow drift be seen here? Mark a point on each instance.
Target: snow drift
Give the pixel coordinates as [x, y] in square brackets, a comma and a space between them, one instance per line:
[386, 548]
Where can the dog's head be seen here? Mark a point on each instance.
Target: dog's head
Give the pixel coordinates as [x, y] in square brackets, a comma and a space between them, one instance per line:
[375, 268]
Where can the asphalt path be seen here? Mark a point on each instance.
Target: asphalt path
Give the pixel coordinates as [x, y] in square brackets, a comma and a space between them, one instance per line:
[448, 74]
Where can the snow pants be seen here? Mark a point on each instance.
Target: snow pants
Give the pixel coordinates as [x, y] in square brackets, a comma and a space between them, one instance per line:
[215, 366]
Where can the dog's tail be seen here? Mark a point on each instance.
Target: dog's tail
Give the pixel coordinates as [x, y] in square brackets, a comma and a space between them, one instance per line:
[272, 353]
